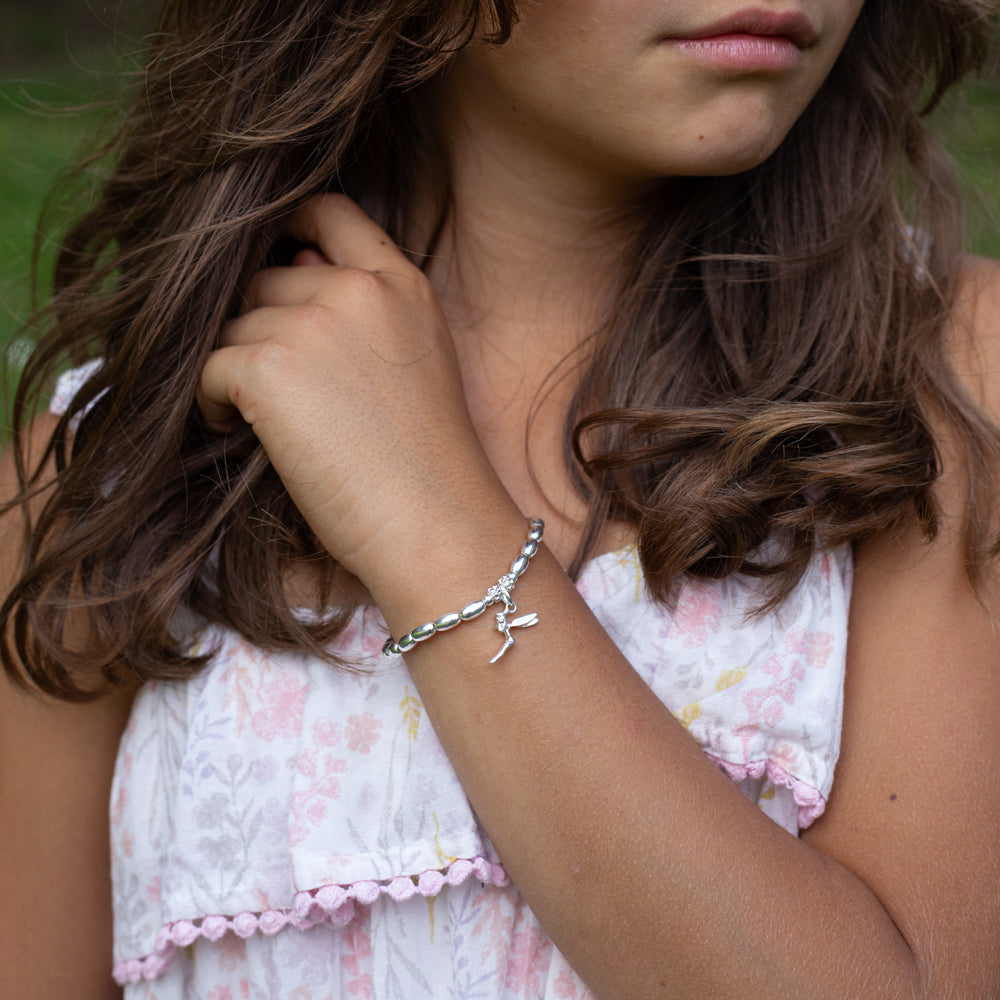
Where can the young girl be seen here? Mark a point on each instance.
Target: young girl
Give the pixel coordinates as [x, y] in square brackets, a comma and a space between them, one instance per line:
[374, 289]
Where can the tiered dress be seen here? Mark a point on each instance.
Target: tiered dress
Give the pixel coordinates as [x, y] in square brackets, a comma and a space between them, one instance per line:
[285, 830]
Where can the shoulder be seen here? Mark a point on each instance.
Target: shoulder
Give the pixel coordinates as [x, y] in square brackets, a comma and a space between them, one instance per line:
[973, 335]
[56, 761]
[914, 809]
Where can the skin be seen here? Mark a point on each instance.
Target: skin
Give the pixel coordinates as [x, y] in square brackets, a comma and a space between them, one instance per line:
[56, 763]
[667, 883]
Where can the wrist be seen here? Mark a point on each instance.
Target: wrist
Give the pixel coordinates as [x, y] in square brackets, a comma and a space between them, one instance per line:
[499, 597]
[448, 561]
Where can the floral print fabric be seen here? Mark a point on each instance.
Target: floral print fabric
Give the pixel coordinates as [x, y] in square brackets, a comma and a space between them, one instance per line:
[284, 829]
[281, 829]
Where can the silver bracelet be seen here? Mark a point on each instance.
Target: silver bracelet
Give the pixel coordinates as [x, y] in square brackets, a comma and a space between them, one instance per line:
[500, 591]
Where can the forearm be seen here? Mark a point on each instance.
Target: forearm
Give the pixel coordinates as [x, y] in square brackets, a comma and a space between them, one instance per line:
[649, 868]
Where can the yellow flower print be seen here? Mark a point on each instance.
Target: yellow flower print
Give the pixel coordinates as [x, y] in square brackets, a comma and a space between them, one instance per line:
[412, 712]
[688, 715]
[730, 677]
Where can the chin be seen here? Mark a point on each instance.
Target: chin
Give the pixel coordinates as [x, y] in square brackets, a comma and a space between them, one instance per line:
[724, 153]
[735, 163]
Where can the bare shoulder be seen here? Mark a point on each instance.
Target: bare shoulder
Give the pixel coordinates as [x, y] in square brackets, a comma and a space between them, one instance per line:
[914, 807]
[56, 762]
[974, 333]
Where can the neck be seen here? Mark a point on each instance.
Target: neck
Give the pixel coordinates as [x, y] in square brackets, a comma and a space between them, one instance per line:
[524, 269]
[530, 250]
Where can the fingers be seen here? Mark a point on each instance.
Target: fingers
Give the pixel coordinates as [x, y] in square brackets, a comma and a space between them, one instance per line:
[216, 391]
[285, 286]
[345, 234]
[348, 280]
[308, 256]
[347, 237]
[229, 368]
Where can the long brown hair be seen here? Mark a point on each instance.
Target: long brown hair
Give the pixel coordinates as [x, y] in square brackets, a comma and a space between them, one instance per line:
[768, 368]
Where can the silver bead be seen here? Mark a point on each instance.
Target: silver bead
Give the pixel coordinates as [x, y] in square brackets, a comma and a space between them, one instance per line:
[530, 548]
[406, 643]
[535, 535]
[473, 610]
[448, 621]
[422, 632]
[519, 565]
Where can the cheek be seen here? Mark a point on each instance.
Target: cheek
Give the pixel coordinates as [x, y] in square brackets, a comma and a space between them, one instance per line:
[581, 35]
[559, 20]
[840, 19]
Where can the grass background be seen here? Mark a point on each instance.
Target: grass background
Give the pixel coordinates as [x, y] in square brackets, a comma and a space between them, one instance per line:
[61, 58]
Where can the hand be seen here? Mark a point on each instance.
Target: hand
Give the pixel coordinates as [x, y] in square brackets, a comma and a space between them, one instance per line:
[344, 367]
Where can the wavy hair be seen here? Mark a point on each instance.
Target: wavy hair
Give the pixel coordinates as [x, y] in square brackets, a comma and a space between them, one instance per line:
[769, 366]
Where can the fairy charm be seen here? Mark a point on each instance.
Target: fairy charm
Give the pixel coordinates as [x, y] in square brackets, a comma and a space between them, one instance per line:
[504, 627]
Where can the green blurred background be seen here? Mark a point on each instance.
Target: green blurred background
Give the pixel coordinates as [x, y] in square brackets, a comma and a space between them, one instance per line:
[56, 55]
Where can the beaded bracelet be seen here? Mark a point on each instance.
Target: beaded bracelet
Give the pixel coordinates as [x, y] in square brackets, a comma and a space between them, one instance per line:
[500, 591]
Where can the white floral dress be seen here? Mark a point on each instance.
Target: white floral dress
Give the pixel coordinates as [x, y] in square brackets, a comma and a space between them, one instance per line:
[283, 829]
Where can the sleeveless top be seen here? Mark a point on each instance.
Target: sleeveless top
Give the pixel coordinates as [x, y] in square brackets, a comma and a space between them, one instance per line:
[283, 828]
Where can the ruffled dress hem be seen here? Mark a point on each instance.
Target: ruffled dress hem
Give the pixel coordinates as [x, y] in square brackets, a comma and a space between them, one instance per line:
[335, 904]
[328, 904]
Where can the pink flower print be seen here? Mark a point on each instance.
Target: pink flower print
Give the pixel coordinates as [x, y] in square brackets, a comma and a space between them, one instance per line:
[350, 635]
[745, 734]
[824, 566]
[795, 639]
[326, 732]
[153, 889]
[284, 698]
[128, 843]
[528, 960]
[698, 613]
[568, 987]
[365, 633]
[818, 647]
[785, 756]
[244, 985]
[243, 667]
[309, 805]
[220, 993]
[814, 647]
[118, 807]
[301, 993]
[776, 665]
[357, 948]
[766, 706]
[231, 951]
[494, 922]
[362, 732]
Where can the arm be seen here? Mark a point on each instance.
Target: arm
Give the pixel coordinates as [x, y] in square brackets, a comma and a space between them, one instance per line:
[649, 869]
[656, 877]
[916, 805]
[56, 762]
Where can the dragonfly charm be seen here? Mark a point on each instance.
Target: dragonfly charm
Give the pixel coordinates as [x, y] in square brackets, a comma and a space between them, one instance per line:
[504, 627]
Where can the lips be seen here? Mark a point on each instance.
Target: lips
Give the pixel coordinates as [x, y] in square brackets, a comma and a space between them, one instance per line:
[792, 25]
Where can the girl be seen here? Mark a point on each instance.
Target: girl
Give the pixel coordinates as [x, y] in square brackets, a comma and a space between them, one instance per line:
[372, 290]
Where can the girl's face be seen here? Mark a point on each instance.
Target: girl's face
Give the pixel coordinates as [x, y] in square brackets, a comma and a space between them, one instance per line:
[645, 89]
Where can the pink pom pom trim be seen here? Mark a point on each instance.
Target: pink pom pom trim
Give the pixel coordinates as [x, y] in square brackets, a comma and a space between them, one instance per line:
[810, 801]
[334, 904]
[330, 904]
